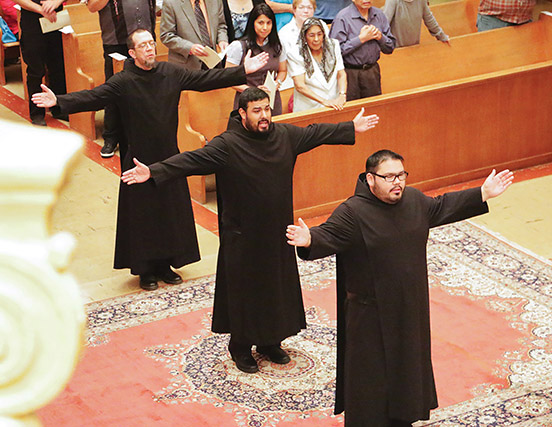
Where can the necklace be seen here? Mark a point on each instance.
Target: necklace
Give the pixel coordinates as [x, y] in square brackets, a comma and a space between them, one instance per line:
[239, 5]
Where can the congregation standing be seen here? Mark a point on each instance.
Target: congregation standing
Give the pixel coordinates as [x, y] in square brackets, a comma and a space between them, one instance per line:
[330, 49]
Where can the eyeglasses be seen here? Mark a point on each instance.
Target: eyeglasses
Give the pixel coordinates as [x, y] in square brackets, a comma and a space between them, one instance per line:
[391, 178]
[144, 45]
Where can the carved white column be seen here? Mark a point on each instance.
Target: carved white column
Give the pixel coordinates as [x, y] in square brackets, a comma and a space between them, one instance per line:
[41, 312]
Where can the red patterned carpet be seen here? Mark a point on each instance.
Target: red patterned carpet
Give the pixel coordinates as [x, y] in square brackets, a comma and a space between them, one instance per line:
[152, 360]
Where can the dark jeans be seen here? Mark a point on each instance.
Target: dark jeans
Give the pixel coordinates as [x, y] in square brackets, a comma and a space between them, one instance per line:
[487, 22]
[113, 128]
[363, 83]
[41, 52]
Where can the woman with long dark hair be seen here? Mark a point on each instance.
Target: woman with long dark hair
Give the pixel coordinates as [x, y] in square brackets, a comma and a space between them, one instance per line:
[260, 36]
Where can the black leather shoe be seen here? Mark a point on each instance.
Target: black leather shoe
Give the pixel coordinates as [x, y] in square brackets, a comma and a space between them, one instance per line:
[170, 277]
[38, 121]
[245, 362]
[275, 353]
[148, 282]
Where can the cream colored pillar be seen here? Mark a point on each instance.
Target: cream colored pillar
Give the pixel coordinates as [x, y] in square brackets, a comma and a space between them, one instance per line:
[41, 312]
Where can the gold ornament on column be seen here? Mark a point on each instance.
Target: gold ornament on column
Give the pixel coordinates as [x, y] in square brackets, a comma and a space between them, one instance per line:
[41, 312]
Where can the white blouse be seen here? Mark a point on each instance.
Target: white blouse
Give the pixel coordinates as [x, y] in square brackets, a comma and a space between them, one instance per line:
[317, 82]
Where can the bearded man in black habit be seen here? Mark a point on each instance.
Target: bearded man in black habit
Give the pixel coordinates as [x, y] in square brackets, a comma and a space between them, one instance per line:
[155, 224]
[384, 370]
[258, 295]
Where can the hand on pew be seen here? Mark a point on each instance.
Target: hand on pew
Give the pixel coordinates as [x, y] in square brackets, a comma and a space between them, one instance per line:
[363, 123]
[44, 99]
[138, 174]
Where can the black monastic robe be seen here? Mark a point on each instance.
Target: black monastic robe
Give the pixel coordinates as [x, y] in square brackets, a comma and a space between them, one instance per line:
[258, 294]
[384, 345]
[154, 222]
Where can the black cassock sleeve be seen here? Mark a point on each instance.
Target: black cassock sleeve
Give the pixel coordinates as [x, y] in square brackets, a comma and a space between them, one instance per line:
[332, 237]
[204, 80]
[203, 161]
[456, 206]
[317, 134]
[90, 100]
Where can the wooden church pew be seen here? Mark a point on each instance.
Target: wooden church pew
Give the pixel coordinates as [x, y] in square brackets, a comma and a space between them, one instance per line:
[456, 17]
[448, 132]
[454, 112]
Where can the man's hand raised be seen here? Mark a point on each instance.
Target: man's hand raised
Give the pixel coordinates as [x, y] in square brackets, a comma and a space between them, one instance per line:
[138, 174]
[44, 99]
[299, 235]
[252, 64]
[363, 123]
[496, 184]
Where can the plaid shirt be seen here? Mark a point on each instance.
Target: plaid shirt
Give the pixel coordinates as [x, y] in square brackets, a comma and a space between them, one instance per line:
[513, 11]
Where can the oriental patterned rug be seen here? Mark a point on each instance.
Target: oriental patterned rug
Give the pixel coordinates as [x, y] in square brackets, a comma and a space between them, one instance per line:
[152, 360]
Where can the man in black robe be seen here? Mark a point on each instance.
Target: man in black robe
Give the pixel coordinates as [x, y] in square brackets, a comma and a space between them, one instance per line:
[258, 295]
[384, 370]
[155, 225]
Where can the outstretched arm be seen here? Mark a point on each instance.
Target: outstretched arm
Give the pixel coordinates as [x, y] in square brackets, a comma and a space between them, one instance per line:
[203, 161]
[342, 133]
[336, 235]
[459, 205]
[496, 184]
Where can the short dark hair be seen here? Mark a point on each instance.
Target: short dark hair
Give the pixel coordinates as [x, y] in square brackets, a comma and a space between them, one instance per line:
[130, 38]
[251, 94]
[379, 157]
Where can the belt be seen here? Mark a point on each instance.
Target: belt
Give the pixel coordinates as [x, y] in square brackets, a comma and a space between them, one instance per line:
[361, 299]
[360, 67]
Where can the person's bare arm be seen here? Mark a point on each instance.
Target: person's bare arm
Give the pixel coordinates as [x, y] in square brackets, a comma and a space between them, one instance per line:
[96, 5]
[279, 7]
[29, 5]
